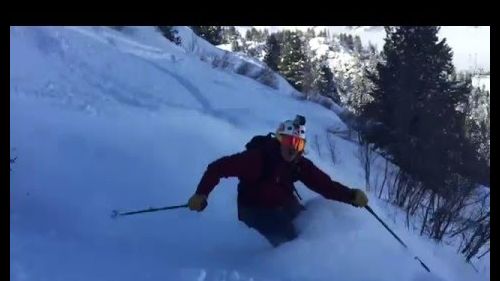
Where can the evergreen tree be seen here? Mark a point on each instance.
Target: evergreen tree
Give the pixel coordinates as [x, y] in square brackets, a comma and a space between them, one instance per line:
[342, 39]
[294, 60]
[350, 42]
[233, 37]
[310, 33]
[260, 36]
[272, 49]
[372, 50]
[310, 67]
[229, 33]
[325, 84]
[213, 34]
[358, 46]
[170, 34]
[417, 102]
[252, 34]
[265, 35]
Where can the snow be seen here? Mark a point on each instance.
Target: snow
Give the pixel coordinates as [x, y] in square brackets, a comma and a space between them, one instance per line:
[481, 81]
[319, 45]
[103, 120]
[225, 47]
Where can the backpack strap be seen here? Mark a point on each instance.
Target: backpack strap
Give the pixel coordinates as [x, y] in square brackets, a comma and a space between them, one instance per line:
[295, 177]
[268, 158]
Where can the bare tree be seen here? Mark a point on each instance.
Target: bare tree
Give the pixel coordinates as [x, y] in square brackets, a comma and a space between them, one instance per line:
[12, 161]
[316, 142]
[331, 146]
[475, 231]
[385, 178]
[482, 255]
[430, 207]
[367, 156]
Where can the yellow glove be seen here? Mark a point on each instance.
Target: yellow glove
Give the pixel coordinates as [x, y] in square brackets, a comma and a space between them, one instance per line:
[360, 199]
[197, 202]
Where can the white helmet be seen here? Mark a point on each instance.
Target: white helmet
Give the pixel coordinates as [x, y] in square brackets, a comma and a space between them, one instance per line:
[295, 127]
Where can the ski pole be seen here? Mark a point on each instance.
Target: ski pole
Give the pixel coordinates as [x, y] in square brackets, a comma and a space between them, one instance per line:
[115, 213]
[395, 236]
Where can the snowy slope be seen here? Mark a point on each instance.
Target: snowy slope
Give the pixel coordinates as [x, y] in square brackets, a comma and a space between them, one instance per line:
[226, 60]
[103, 120]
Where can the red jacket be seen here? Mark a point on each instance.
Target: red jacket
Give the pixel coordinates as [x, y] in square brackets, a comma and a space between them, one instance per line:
[275, 190]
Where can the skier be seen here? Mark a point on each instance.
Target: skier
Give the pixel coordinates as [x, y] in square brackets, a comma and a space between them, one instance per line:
[267, 170]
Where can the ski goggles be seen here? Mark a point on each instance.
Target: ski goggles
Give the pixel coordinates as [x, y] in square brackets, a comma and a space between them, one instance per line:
[292, 141]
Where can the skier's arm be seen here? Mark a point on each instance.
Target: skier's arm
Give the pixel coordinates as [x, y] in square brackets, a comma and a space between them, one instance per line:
[320, 182]
[243, 165]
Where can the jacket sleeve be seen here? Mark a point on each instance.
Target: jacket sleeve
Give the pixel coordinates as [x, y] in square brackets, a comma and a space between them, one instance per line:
[320, 182]
[244, 165]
